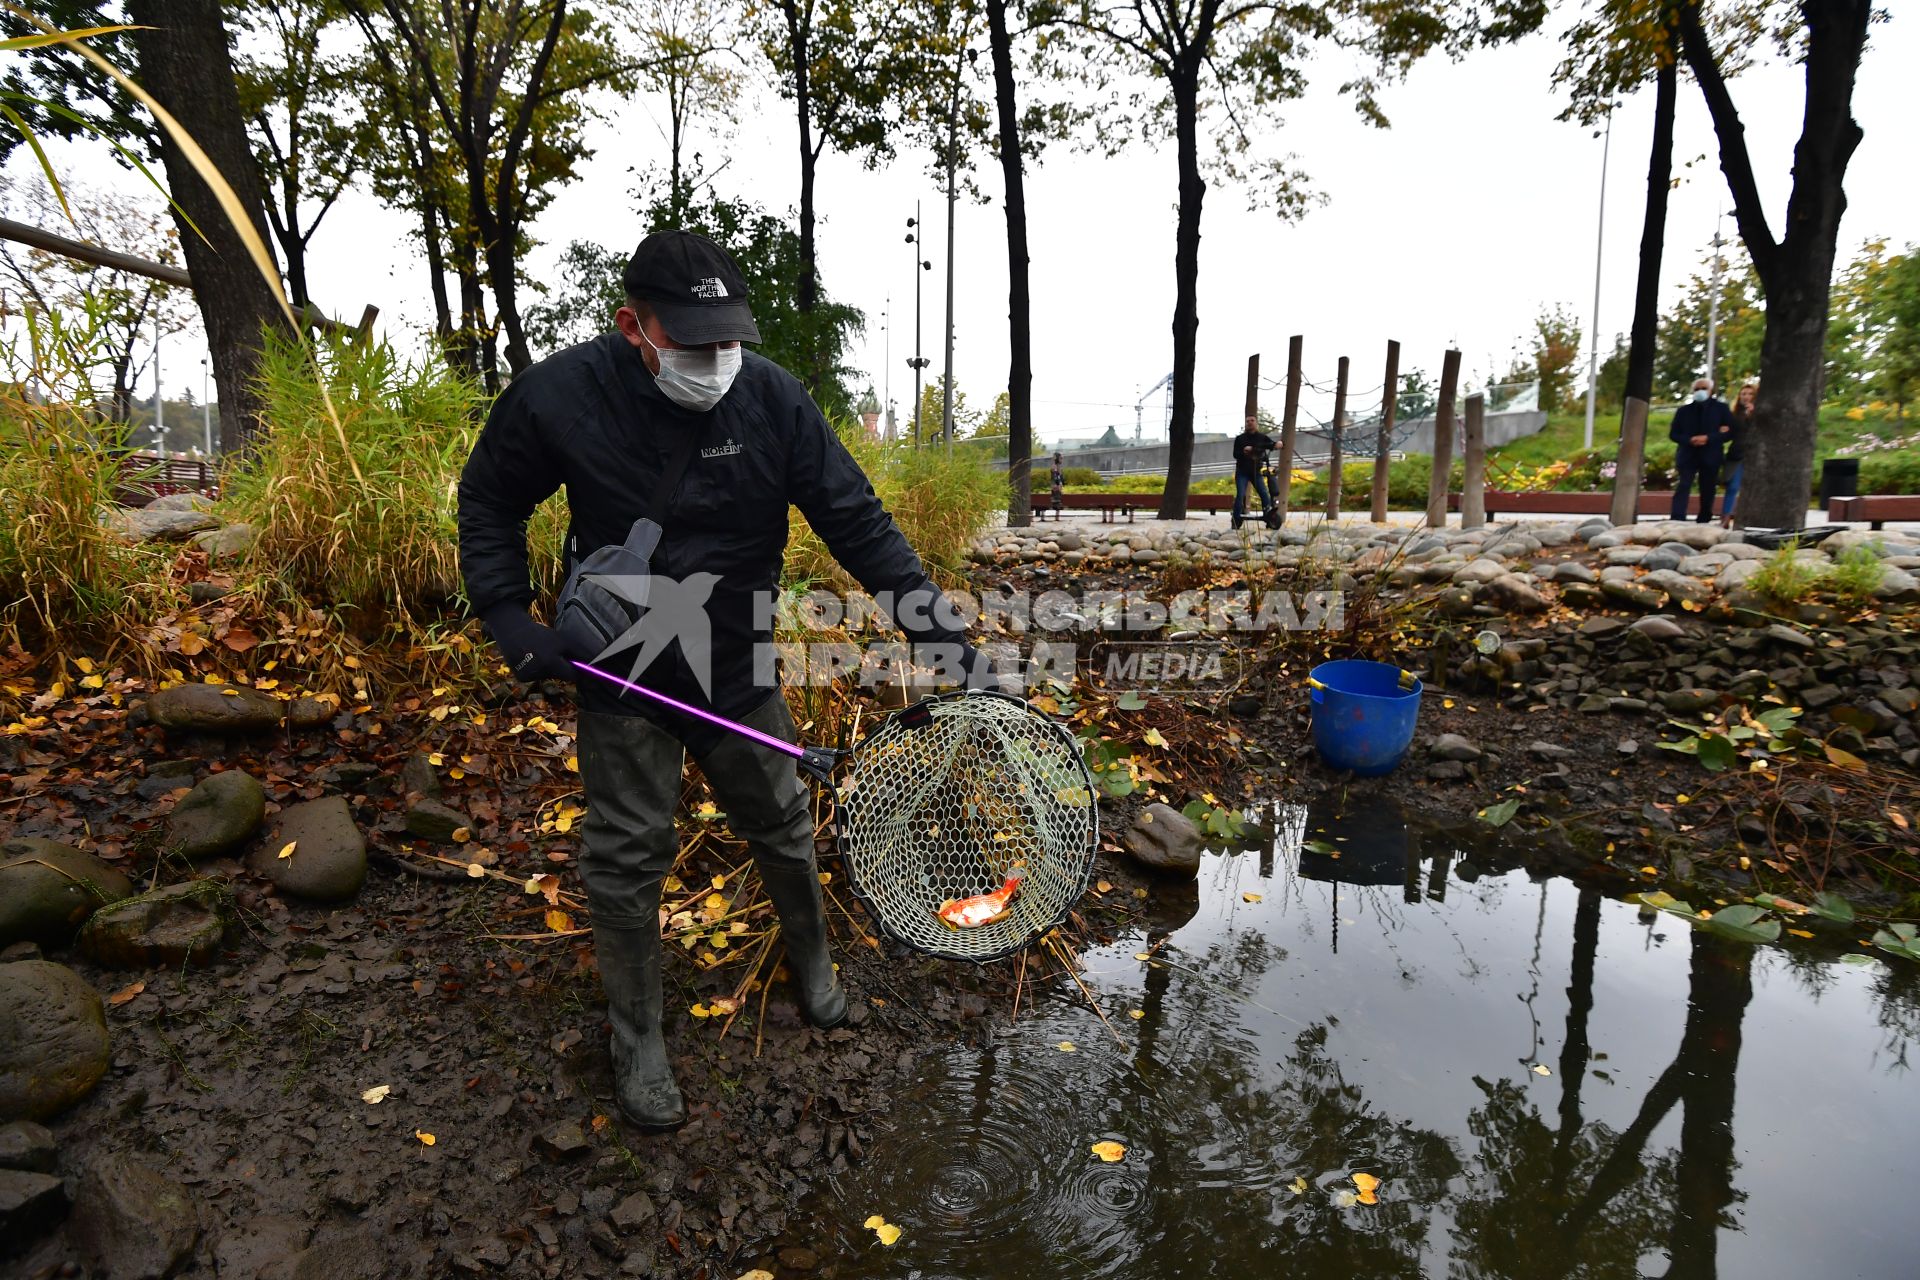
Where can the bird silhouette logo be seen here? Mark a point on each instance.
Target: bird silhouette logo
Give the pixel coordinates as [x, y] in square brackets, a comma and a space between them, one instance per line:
[667, 609]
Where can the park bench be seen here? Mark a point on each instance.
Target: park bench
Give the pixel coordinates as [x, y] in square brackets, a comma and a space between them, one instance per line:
[145, 476]
[1547, 502]
[1108, 504]
[1875, 508]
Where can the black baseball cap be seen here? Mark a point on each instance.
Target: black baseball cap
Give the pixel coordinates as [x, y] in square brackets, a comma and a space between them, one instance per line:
[694, 287]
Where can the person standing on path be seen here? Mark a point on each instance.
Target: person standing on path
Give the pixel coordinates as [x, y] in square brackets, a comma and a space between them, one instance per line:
[681, 452]
[1058, 479]
[1701, 428]
[1736, 450]
[1250, 450]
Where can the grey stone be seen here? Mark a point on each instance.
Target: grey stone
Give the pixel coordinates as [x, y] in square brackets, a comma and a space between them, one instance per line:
[1736, 574]
[635, 1213]
[166, 776]
[173, 925]
[563, 1141]
[1478, 571]
[308, 712]
[1515, 594]
[418, 777]
[132, 1223]
[26, 1146]
[1898, 586]
[217, 815]
[1549, 751]
[431, 820]
[1624, 703]
[1661, 558]
[329, 860]
[48, 889]
[1684, 701]
[1629, 555]
[30, 1206]
[1575, 571]
[1821, 695]
[1678, 586]
[214, 708]
[1447, 770]
[180, 502]
[1451, 746]
[1608, 540]
[1618, 573]
[1903, 700]
[1790, 637]
[250, 1246]
[1600, 625]
[1658, 627]
[53, 1039]
[1632, 593]
[132, 525]
[228, 542]
[1627, 747]
[1164, 839]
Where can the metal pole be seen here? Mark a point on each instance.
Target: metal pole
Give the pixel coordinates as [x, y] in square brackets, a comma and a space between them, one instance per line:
[918, 362]
[1713, 303]
[1599, 243]
[886, 363]
[159, 396]
[946, 386]
[206, 408]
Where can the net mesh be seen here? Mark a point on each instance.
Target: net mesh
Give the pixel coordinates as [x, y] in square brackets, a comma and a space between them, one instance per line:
[982, 788]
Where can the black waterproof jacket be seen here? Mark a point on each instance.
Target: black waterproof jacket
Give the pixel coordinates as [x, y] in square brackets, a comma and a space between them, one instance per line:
[1710, 418]
[1258, 441]
[763, 447]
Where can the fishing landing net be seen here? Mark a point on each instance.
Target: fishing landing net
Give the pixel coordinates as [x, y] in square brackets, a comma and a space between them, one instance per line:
[948, 799]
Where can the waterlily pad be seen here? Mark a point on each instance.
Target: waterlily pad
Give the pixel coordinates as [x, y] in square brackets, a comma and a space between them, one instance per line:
[1901, 940]
[1743, 922]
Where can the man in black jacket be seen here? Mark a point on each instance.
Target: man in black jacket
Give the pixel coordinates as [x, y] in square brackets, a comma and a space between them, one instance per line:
[1250, 449]
[608, 419]
[1701, 427]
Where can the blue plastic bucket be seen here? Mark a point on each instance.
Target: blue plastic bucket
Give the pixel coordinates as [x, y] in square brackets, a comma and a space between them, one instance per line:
[1363, 718]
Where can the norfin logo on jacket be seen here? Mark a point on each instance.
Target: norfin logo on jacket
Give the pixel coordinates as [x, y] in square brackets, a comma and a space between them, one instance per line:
[709, 288]
[722, 450]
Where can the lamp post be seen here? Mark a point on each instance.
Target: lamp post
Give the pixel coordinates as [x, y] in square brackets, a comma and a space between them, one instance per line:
[159, 395]
[918, 362]
[206, 408]
[1599, 244]
[1713, 304]
[886, 364]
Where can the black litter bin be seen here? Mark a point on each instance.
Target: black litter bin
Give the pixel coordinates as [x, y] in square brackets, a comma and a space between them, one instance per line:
[1839, 478]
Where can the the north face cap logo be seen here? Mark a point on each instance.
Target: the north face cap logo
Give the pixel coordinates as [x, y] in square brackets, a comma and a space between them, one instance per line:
[709, 288]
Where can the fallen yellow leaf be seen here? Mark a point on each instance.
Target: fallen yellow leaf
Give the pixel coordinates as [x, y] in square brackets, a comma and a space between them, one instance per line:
[1103, 887]
[1155, 738]
[700, 1011]
[1249, 897]
[1801, 933]
[426, 1139]
[125, 994]
[1067, 1046]
[1366, 1182]
[1298, 1186]
[461, 835]
[287, 850]
[475, 871]
[1540, 1069]
[1136, 1013]
[880, 1227]
[376, 1095]
[558, 920]
[756, 1274]
[1111, 1152]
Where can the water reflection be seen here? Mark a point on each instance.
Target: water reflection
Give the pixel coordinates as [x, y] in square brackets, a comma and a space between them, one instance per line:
[1548, 1085]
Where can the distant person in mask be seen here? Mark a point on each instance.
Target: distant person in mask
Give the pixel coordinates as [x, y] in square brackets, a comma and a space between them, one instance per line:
[1701, 429]
[669, 420]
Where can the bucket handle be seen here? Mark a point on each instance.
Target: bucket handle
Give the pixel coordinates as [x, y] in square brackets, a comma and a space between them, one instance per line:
[1407, 681]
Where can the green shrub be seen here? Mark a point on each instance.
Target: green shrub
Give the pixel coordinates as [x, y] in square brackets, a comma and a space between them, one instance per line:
[1084, 476]
[1854, 575]
[1784, 578]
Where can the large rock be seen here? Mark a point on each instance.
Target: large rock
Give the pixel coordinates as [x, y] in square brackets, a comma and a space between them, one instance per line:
[431, 820]
[47, 890]
[329, 859]
[214, 708]
[26, 1146]
[1736, 574]
[1164, 839]
[53, 1039]
[1515, 594]
[1678, 586]
[228, 542]
[30, 1204]
[144, 524]
[1477, 571]
[1897, 586]
[131, 1223]
[176, 925]
[216, 815]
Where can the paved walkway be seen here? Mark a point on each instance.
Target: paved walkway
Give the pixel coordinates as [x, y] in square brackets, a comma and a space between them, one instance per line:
[1211, 520]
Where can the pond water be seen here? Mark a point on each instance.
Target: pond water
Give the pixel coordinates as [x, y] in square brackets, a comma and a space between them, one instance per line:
[1545, 1082]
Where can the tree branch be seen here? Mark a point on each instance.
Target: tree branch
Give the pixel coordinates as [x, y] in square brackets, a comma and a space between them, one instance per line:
[1734, 161]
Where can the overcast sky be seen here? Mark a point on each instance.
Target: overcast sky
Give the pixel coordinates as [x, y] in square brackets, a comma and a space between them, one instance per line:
[1454, 227]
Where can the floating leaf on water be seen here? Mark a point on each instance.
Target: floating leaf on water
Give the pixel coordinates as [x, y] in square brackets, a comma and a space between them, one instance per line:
[1143, 955]
[1900, 940]
[1801, 933]
[1298, 1186]
[1111, 1152]
[1067, 1046]
[1498, 815]
[1832, 906]
[1541, 1069]
[880, 1227]
[375, 1096]
[1249, 897]
[1136, 1014]
[1743, 922]
[1318, 846]
[1367, 1183]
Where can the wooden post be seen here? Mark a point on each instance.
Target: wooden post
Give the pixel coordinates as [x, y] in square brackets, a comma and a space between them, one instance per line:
[1629, 461]
[1443, 442]
[1473, 484]
[1253, 389]
[1291, 416]
[1389, 401]
[1333, 458]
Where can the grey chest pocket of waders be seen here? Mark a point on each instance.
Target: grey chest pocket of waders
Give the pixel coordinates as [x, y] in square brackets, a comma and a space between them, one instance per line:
[606, 593]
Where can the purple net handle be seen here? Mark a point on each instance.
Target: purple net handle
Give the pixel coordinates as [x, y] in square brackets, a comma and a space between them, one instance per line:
[817, 761]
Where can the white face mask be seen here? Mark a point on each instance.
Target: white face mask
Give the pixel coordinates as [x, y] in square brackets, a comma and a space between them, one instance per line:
[695, 380]
[1700, 394]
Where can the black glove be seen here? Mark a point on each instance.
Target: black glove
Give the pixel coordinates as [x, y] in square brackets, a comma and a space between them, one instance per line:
[533, 650]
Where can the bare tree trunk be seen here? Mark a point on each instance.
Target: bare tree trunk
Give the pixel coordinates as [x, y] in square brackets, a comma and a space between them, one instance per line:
[1019, 301]
[799, 16]
[182, 48]
[1796, 271]
[1186, 311]
[1630, 456]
